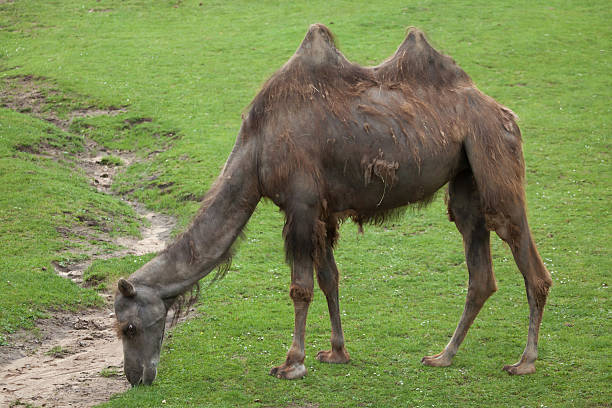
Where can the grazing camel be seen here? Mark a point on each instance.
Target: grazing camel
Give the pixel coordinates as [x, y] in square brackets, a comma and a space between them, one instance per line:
[327, 140]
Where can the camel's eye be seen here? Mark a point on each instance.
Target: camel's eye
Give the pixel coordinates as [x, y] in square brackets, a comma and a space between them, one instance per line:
[129, 330]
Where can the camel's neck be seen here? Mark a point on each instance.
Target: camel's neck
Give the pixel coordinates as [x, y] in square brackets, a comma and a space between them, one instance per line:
[227, 208]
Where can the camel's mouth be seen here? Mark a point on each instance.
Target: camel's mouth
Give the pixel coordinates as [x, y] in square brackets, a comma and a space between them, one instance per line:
[137, 383]
[146, 377]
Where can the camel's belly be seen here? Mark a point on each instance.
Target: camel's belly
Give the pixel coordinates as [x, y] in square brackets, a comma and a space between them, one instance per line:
[372, 178]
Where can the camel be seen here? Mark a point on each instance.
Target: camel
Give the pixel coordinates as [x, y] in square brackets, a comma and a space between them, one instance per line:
[328, 140]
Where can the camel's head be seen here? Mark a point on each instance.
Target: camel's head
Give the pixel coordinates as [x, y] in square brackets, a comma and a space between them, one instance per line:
[141, 321]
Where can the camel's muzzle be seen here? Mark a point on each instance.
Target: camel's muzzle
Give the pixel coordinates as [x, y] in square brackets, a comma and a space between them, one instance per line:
[140, 375]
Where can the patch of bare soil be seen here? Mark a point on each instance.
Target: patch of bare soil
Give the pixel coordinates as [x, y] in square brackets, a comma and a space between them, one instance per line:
[74, 359]
[78, 363]
[29, 94]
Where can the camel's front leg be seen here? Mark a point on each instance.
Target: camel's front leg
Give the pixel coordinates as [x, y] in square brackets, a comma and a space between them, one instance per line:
[301, 294]
[302, 237]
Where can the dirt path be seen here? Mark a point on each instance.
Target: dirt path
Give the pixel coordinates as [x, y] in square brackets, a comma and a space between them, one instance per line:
[75, 359]
[67, 369]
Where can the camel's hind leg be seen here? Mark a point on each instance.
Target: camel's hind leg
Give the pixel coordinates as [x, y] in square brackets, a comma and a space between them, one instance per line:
[513, 229]
[327, 276]
[465, 209]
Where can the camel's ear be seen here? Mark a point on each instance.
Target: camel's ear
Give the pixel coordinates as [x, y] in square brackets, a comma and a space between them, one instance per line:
[126, 288]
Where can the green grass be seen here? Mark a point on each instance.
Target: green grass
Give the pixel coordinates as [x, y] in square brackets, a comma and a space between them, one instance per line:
[192, 69]
[103, 273]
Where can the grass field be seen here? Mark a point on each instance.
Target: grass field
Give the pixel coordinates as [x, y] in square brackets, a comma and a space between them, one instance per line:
[183, 71]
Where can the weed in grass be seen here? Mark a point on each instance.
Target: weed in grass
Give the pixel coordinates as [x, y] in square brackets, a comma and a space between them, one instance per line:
[58, 352]
[110, 372]
[111, 160]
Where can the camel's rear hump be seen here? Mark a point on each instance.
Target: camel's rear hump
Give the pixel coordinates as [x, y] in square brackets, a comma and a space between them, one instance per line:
[416, 62]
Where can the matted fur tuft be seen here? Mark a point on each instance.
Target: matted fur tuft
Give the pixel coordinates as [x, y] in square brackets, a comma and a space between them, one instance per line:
[184, 301]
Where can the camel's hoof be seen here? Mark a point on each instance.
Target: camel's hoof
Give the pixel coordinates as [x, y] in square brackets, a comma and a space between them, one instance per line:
[520, 368]
[289, 371]
[439, 360]
[334, 356]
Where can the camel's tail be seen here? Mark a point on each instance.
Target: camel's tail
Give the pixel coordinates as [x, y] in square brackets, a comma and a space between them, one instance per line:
[493, 147]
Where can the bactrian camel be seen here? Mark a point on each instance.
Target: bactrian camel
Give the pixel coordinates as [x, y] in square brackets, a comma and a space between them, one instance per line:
[327, 140]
